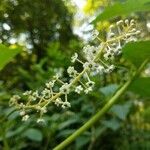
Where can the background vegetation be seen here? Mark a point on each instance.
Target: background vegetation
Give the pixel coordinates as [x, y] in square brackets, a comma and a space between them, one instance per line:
[42, 33]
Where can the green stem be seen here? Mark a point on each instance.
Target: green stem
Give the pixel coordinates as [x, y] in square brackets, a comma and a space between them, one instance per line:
[101, 112]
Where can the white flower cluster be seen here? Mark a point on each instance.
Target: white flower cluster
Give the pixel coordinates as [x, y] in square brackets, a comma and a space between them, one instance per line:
[113, 48]
[98, 61]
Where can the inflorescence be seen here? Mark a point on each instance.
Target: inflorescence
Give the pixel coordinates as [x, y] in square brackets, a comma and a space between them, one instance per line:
[98, 60]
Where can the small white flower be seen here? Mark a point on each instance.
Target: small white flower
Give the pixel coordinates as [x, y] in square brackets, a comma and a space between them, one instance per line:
[117, 50]
[74, 57]
[71, 71]
[58, 101]
[25, 118]
[79, 89]
[38, 108]
[108, 56]
[95, 50]
[85, 65]
[56, 77]
[22, 113]
[132, 39]
[133, 30]
[138, 32]
[21, 105]
[120, 22]
[90, 52]
[90, 65]
[90, 84]
[110, 69]
[132, 21]
[110, 35]
[50, 84]
[97, 69]
[66, 104]
[43, 110]
[95, 33]
[100, 69]
[46, 93]
[31, 98]
[87, 90]
[65, 88]
[58, 71]
[113, 44]
[14, 99]
[126, 21]
[86, 49]
[27, 93]
[111, 26]
[35, 94]
[40, 120]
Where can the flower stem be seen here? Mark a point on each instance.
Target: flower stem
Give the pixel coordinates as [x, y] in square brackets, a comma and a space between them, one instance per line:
[101, 112]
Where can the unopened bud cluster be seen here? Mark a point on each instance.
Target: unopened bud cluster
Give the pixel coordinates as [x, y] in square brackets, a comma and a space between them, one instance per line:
[98, 60]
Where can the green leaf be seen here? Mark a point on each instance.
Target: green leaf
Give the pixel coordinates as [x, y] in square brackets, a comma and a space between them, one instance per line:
[81, 141]
[113, 124]
[99, 130]
[137, 52]
[123, 8]
[6, 54]
[121, 111]
[69, 122]
[65, 133]
[109, 90]
[16, 132]
[13, 133]
[141, 86]
[33, 134]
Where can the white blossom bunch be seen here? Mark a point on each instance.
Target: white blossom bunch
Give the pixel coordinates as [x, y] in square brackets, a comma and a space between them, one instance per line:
[98, 60]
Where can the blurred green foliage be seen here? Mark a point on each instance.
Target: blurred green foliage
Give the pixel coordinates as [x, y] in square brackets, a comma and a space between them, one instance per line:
[6, 54]
[49, 42]
[123, 8]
